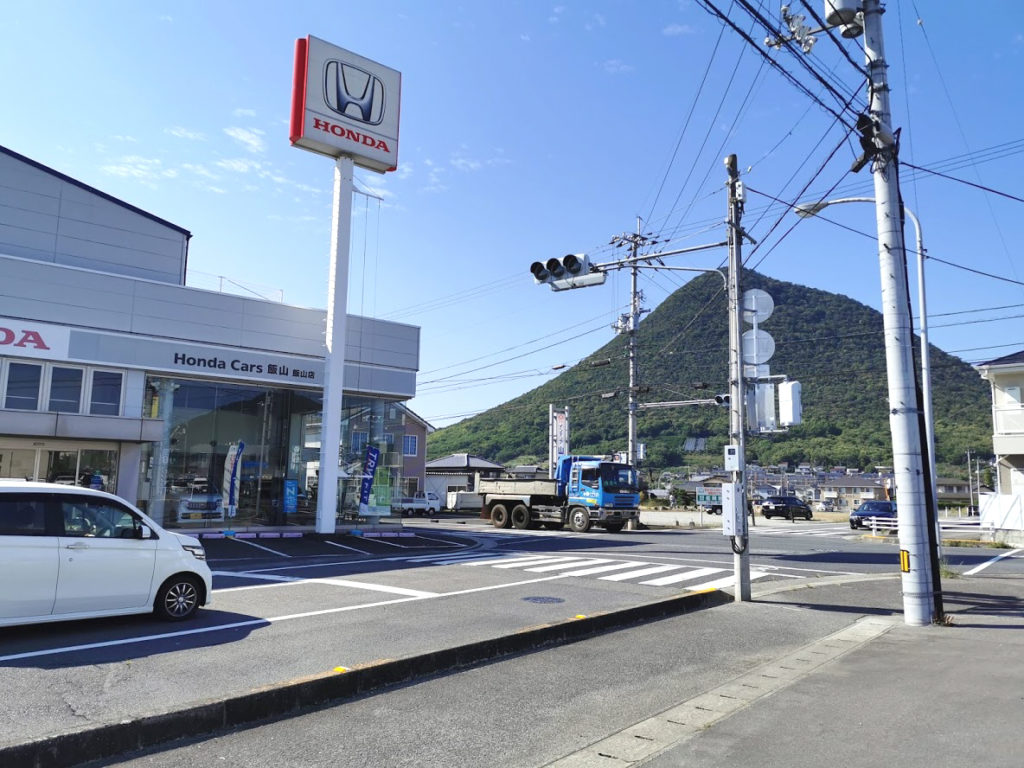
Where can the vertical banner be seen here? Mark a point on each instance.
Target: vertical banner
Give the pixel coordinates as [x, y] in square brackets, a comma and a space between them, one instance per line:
[372, 457]
[291, 496]
[558, 435]
[232, 477]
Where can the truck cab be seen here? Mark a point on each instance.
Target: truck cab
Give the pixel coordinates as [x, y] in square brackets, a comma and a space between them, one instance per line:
[608, 491]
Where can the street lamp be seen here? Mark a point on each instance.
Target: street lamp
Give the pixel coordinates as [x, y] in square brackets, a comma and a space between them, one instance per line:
[806, 210]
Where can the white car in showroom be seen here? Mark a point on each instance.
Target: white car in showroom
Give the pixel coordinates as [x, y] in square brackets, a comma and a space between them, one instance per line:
[68, 552]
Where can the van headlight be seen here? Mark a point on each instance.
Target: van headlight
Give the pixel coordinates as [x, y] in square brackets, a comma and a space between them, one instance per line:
[196, 549]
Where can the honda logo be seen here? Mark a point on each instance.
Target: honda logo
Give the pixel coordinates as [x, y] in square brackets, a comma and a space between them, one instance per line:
[353, 92]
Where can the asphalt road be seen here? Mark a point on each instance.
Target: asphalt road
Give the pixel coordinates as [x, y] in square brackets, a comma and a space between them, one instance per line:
[289, 608]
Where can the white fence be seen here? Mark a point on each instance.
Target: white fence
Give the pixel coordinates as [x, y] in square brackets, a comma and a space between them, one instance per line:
[1002, 511]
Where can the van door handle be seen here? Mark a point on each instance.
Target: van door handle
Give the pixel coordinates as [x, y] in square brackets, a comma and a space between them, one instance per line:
[77, 545]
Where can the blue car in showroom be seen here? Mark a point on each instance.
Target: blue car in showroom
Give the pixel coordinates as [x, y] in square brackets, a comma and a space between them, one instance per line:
[885, 510]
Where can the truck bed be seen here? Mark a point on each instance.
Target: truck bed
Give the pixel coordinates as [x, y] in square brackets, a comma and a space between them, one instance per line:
[518, 487]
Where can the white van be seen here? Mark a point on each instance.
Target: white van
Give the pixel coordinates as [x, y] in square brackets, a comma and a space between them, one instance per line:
[68, 552]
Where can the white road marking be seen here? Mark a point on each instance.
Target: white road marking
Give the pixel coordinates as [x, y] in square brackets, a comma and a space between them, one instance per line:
[443, 541]
[605, 568]
[519, 563]
[260, 546]
[563, 566]
[254, 622]
[333, 582]
[342, 546]
[728, 581]
[642, 572]
[675, 578]
[996, 559]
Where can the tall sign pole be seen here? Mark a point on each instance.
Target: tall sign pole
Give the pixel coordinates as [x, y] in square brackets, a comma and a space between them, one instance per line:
[737, 390]
[344, 106]
[915, 556]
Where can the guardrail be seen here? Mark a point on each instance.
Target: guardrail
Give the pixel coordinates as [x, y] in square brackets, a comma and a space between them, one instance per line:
[890, 523]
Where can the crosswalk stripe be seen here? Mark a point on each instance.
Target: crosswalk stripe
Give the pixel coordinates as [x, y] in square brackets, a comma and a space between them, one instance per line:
[675, 578]
[535, 559]
[728, 581]
[519, 563]
[605, 568]
[642, 572]
[563, 566]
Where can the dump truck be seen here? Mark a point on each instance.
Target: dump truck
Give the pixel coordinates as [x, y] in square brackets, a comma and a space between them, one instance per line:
[585, 491]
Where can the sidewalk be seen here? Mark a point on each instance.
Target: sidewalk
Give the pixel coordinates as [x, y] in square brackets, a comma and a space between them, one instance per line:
[876, 693]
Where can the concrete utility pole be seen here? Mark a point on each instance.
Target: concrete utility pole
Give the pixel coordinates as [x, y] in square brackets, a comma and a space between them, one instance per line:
[916, 565]
[737, 391]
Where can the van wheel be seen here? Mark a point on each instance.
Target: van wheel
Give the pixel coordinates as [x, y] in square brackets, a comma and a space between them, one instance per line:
[579, 520]
[500, 517]
[520, 516]
[177, 599]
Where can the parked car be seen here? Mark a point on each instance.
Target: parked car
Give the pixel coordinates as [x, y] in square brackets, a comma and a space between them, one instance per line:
[423, 502]
[68, 552]
[861, 516]
[789, 507]
[200, 502]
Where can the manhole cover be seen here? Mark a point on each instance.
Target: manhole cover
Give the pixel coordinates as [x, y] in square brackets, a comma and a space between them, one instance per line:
[540, 599]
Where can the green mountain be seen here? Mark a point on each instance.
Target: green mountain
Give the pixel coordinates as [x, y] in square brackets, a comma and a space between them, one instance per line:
[830, 343]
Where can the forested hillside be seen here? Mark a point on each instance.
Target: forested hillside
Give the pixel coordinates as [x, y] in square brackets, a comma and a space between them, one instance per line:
[829, 343]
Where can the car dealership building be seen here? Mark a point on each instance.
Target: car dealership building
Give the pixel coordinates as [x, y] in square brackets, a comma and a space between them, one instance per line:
[115, 374]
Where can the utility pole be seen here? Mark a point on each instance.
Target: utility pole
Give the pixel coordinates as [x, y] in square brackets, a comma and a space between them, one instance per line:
[737, 391]
[636, 241]
[921, 599]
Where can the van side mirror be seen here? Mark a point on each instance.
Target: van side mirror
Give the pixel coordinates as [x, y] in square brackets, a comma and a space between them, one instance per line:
[145, 532]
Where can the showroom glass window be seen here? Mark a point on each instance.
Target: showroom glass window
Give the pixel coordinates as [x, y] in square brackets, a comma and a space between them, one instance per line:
[23, 383]
[65, 390]
[105, 396]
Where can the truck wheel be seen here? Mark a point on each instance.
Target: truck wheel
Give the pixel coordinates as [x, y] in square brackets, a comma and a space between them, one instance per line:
[613, 527]
[520, 516]
[500, 517]
[579, 520]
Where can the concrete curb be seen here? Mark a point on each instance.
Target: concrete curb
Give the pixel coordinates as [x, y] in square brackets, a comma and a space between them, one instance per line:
[205, 717]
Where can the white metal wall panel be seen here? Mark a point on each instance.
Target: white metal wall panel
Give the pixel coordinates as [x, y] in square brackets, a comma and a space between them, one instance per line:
[47, 217]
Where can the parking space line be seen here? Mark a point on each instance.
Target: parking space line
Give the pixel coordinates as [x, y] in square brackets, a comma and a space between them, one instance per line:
[350, 549]
[260, 546]
[443, 541]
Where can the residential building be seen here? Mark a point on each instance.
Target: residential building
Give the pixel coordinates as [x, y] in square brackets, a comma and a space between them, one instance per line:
[1004, 509]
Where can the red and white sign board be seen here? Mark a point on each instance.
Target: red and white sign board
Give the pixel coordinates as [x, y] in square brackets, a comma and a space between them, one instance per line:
[25, 338]
[345, 104]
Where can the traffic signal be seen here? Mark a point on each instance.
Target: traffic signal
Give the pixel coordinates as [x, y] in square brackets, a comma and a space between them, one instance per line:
[721, 400]
[571, 271]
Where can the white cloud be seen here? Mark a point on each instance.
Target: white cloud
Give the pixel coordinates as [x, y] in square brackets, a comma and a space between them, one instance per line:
[200, 170]
[673, 30]
[556, 14]
[244, 113]
[250, 138]
[596, 21]
[144, 169]
[239, 165]
[185, 133]
[129, 139]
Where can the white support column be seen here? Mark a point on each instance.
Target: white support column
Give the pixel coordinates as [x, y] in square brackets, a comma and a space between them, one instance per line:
[334, 363]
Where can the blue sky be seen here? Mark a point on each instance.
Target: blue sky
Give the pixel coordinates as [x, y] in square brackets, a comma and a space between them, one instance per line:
[531, 130]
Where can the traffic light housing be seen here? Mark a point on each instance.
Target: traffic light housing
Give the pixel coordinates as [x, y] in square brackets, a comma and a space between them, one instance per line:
[722, 400]
[571, 271]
